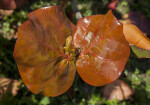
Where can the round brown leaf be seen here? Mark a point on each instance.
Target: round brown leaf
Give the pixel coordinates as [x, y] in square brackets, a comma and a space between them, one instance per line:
[104, 50]
[44, 65]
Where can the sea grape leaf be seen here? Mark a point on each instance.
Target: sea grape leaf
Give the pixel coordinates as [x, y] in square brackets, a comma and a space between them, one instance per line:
[134, 36]
[104, 50]
[139, 52]
[43, 63]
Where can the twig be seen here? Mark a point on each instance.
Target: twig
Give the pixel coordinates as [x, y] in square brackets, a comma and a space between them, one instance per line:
[75, 9]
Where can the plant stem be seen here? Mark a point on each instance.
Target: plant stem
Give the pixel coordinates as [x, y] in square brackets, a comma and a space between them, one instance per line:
[75, 9]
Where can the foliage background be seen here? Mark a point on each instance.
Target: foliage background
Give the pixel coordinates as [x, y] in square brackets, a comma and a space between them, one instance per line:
[137, 70]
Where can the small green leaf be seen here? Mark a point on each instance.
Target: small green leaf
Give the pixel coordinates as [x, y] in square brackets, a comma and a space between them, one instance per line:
[45, 101]
[140, 53]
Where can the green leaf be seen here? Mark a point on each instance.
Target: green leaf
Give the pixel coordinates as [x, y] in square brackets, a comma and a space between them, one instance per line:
[45, 101]
[140, 53]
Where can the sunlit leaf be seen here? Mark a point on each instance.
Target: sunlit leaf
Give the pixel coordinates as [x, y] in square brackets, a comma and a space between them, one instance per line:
[134, 36]
[43, 63]
[104, 50]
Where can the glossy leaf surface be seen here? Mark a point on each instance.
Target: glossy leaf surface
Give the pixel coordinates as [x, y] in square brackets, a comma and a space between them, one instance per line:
[104, 50]
[44, 65]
